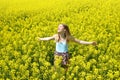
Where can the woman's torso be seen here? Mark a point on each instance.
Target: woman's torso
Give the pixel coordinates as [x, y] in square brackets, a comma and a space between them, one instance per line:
[62, 46]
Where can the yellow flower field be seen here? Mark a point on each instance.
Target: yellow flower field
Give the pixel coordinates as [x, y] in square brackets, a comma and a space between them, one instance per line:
[22, 57]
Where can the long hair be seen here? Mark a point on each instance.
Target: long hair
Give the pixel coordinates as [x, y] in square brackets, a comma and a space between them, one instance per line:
[67, 33]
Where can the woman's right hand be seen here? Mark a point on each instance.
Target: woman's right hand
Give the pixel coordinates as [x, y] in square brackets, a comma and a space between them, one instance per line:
[37, 38]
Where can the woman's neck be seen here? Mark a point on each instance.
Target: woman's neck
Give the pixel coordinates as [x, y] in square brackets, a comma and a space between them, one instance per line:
[62, 35]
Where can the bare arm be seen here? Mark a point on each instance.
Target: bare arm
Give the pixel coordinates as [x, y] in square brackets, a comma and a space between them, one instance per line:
[83, 42]
[46, 38]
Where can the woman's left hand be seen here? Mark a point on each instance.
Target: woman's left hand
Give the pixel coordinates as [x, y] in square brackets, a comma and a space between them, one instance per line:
[94, 43]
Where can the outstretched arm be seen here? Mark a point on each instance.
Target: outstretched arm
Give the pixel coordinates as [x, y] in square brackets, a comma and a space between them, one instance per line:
[46, 38]
[83, 42]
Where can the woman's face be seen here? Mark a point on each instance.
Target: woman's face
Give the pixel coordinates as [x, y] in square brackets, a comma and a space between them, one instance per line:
[61, 28]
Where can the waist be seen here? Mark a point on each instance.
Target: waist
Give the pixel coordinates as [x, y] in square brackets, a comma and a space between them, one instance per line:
[56, 52]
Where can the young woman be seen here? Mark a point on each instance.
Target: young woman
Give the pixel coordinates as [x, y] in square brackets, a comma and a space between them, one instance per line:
[62, 38]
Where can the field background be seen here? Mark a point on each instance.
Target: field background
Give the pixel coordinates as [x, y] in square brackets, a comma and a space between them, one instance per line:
[22, 57]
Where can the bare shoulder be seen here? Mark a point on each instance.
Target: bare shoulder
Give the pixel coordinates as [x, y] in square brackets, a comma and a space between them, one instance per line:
[71, 38]
[55, 36]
